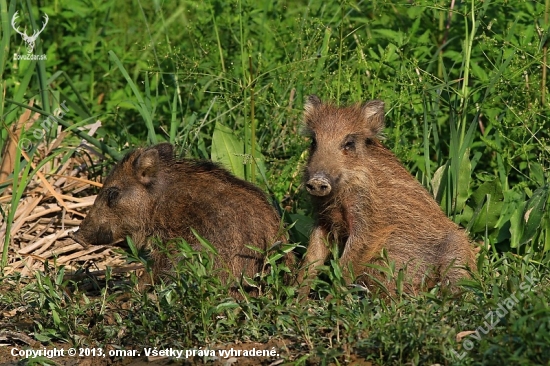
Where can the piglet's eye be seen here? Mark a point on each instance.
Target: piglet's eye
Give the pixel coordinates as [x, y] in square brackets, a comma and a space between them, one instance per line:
[113, 194]
[313, 143]
[349, 145]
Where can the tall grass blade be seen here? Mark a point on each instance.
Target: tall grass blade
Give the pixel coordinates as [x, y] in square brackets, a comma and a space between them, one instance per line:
[141, 106]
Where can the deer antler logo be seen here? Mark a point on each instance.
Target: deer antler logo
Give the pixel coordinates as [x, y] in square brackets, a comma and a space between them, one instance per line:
[28, 39]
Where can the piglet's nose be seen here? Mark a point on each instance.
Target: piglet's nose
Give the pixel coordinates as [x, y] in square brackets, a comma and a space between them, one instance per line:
[319, 185]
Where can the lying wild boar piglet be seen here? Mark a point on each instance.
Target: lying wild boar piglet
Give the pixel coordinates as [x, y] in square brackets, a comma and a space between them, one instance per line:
[150, 193]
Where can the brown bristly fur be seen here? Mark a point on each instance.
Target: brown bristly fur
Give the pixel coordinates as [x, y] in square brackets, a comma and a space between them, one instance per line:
[374, 203]
[152, 194]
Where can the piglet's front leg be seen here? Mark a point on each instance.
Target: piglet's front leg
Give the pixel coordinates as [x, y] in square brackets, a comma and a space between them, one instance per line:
[317, 253]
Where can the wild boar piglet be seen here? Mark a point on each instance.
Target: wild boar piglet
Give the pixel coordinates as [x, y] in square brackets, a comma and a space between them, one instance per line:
[366, 201]
[150, 193]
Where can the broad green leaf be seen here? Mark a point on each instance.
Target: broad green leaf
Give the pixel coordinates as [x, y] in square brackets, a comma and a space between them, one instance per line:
[424, 38]
[391, 53]
[228, 150]
[60, 276]
[546, 241]
[302, 226]
[536, 172]
[516, 225]
[491, 212]
[479, 72]
[414, 12]
[55, 316]
[436, 182]
[440, 186]
[132, 246]
[463, 189]
[335, 265]
[466, 216]
[491, 187]
[42, 337]
[533, 213]
[512, 200]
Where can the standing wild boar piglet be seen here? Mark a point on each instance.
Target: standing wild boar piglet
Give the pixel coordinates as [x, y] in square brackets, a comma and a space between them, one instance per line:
[366, 201]
[150, 193]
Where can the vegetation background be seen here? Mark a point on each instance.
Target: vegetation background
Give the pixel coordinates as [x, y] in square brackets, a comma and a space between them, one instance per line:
[465, 87]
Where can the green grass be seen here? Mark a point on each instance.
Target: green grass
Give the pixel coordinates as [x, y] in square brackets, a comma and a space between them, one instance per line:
[195, 309]
[466, 113]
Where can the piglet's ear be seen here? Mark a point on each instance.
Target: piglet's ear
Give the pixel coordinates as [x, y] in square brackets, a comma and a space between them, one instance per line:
[373, 117]
[165, 151]
[146, 166]
[312, 103]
